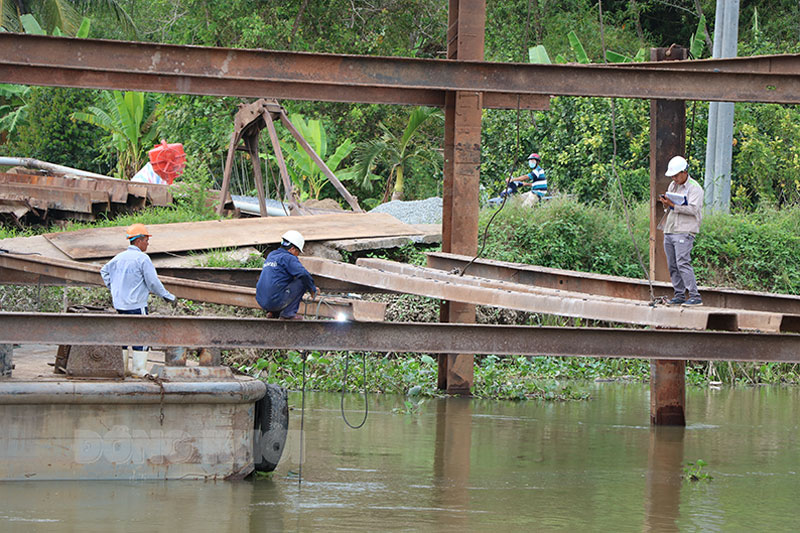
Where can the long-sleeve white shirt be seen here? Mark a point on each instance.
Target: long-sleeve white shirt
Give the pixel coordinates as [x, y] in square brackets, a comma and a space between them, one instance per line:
[131, 277]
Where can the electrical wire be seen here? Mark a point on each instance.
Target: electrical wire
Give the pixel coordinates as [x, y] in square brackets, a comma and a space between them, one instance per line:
[614, 168]
[344, 387]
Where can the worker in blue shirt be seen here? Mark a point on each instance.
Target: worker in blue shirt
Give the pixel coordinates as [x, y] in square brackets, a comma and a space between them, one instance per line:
[535, 179]
[284, 280]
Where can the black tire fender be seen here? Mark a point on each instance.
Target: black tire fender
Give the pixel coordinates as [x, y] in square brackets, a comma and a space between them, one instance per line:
[271, 425]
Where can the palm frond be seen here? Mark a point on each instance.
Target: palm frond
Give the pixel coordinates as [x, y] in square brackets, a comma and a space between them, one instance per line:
[417, 118]
[9, 16]
[366, 156]
[60, 14]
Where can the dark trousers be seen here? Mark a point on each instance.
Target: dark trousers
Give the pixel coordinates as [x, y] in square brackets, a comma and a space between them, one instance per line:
[287, 302]
[678, 248]
[134, 312]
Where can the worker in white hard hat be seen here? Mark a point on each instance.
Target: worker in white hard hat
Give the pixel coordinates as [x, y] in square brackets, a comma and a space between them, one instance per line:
[284, 280]
[683, 203]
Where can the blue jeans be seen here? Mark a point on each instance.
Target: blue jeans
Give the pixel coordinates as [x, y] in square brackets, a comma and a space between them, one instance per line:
[134, 312]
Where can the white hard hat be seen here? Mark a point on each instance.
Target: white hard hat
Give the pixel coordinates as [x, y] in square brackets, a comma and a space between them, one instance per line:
[294, 237]
[676, 164]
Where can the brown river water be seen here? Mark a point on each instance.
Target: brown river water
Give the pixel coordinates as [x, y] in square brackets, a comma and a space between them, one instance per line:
[476, 465]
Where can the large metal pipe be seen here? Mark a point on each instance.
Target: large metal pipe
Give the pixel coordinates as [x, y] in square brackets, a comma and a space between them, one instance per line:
[29, 162]
[56, 328]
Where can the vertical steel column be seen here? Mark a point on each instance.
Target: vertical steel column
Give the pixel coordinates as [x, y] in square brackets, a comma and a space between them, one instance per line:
[667, 139]
[462, 151]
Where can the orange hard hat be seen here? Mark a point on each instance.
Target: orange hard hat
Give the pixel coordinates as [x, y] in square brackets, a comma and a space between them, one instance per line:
[135, 231]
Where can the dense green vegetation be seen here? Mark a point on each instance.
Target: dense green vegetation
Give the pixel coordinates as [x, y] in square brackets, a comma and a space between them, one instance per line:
[384, 149]
[574, 136]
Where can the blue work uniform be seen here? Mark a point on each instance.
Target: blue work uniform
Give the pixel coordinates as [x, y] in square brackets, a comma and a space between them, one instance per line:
[282, 283]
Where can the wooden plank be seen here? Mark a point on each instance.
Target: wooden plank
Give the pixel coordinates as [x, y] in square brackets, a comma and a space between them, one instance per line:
[482, 292]
[184, 236]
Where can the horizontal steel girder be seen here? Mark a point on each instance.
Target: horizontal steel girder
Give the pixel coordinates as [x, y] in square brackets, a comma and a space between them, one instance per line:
[199, 291]
[220, 79]
[35, 328]
[604, 285]
[773, 64]
[61, 61]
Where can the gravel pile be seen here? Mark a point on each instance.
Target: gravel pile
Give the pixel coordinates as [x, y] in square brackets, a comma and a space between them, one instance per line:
[414, 212]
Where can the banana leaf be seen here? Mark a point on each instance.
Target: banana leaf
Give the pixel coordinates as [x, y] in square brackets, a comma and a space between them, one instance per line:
[577, 47]
[538, 54]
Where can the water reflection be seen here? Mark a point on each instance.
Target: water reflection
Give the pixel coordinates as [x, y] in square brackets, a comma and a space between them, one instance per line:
[664, 468]
[474, 465]
[451, 460]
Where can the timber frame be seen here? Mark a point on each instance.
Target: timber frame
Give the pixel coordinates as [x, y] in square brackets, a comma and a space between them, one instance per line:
[248, 123]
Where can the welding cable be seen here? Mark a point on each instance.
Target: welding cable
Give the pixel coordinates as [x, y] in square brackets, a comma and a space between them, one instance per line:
[502, 204]
[344, 387]
[653, 300]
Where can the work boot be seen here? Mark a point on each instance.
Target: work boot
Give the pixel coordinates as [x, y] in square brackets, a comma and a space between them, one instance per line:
[127, 355]
[139, 363]
[694, 300]
[270, 314]
[678, 300]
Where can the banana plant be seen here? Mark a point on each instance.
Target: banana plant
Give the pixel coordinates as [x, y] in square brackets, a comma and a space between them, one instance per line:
[130, 119]
[306, 176]
[697, 42]
[13, 104]
[538, 54]
[13, 108]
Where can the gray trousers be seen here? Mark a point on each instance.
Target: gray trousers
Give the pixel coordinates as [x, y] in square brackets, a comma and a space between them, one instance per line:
[678, 247]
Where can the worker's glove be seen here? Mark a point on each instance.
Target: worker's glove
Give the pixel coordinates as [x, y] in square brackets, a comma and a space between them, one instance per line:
[173, 303]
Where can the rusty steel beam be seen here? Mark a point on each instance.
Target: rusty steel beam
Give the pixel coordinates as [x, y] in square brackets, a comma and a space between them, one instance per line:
[178, 82]
[62, 77]
[200, 291]
[91, 63]
[576, 302]
[547, 301]
[605, 285]
[241, 277]
[767, 64]
[69, 328]
[61, 198]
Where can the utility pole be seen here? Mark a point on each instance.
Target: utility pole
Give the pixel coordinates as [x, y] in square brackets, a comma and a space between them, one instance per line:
[717, 182]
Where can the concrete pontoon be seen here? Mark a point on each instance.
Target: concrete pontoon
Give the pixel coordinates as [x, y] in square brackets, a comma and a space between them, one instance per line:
[56, 427]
